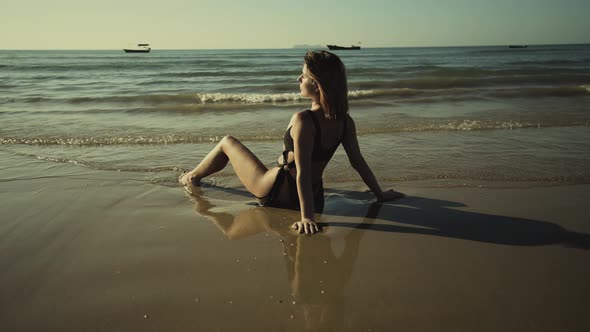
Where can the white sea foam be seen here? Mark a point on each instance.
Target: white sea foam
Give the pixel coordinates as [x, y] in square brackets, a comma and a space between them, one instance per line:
[276, 98]
[250, 98]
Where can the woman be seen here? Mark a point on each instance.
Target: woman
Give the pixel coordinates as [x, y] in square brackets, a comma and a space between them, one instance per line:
[309, 143]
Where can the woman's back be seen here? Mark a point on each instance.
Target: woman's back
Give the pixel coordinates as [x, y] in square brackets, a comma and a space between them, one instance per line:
[328, 134]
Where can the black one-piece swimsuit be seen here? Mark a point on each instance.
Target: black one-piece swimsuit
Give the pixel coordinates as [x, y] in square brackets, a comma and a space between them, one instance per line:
[318, 154]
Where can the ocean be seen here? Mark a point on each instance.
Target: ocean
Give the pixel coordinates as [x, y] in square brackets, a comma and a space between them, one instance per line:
[452, 116]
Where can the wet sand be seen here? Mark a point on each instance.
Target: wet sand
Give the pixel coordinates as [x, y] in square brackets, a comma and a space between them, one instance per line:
[102, 252]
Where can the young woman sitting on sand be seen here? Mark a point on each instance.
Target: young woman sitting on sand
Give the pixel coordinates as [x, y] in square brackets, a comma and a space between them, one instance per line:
[311, 139]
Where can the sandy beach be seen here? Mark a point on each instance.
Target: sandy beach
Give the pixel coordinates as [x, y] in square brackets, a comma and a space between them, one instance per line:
[100, 251]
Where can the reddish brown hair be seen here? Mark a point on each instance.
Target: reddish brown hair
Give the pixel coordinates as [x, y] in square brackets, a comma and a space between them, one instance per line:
[328, 71]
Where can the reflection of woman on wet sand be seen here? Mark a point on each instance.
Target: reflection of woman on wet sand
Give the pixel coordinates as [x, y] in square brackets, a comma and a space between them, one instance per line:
[310, 141]
[317, 277]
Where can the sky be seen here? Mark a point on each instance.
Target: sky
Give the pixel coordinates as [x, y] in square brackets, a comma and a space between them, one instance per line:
[239, 24]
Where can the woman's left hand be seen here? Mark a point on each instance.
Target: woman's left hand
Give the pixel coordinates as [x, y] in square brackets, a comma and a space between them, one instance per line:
[307, 226]
[390, 195]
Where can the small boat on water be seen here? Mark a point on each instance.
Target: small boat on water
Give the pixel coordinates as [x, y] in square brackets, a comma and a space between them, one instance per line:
[336, 47]
[517, 46]
[141, 48]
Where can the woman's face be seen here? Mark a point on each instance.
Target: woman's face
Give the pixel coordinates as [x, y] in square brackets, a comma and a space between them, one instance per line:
[307, 86]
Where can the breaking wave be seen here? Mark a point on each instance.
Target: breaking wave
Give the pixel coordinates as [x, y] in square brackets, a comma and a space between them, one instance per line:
[433, 125]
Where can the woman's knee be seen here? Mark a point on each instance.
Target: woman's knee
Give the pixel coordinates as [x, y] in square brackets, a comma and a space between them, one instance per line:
[228, 141]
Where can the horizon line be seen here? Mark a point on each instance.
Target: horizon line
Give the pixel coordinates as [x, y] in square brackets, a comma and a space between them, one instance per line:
[284, 48]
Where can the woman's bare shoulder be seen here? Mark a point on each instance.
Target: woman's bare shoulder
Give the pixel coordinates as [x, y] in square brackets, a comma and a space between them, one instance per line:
[301, 122]
[300, 117]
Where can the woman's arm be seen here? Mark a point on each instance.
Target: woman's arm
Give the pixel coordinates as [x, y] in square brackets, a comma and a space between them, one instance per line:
[302, 132]
[357, 161]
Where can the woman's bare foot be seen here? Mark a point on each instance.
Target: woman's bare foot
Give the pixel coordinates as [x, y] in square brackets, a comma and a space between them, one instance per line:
[187, 180]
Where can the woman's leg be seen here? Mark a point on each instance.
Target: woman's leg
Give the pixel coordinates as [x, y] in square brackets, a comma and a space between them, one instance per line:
[256, 177]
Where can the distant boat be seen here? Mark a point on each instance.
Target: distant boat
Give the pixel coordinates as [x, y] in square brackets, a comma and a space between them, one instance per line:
[517, 46]
[336, 47]
[141, 48]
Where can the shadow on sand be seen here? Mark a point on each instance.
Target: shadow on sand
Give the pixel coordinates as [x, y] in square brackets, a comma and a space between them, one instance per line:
[427, 216]
[441, 218]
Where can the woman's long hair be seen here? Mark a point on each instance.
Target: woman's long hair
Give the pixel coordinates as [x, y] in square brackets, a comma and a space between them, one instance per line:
[328, 71]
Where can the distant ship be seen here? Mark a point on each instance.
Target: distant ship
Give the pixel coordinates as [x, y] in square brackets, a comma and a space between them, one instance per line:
[517, 46]
[141, 48]
[336, 47]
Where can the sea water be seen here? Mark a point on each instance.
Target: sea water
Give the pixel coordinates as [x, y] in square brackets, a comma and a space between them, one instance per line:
[456, 115]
